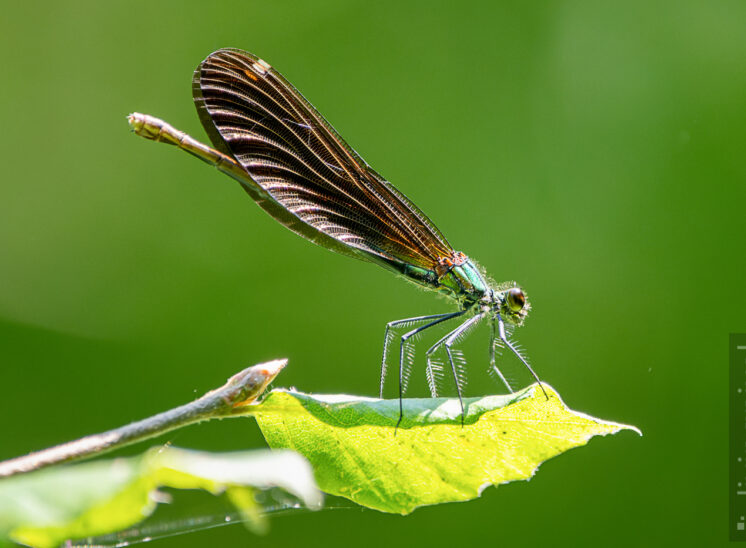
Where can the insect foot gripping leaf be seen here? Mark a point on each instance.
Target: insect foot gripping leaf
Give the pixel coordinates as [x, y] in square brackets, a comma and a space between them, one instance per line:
[357, 453]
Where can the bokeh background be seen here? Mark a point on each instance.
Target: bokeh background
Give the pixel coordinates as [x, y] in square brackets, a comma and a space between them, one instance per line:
[595, 153]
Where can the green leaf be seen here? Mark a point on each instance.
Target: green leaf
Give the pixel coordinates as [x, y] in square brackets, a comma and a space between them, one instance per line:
[357, 453]
[47, 507]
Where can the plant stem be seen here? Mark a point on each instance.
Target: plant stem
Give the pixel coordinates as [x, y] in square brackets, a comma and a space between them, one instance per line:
[240, 390]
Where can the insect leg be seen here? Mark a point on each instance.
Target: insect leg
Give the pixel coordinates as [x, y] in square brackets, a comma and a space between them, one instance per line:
[432, 367]
[505, 340]
[436, 320]
[493, 362]
[387, 338]
[450, 339]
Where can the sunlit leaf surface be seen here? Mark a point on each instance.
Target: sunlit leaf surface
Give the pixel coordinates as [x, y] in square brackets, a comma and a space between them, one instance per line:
[357, 453]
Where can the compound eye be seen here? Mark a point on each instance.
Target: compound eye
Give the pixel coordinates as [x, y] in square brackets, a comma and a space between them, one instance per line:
[516, 299]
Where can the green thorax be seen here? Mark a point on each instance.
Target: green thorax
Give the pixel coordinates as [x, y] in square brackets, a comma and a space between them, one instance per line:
[463, 282]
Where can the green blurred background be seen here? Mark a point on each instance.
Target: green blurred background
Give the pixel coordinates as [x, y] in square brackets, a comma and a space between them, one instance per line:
[594, 153]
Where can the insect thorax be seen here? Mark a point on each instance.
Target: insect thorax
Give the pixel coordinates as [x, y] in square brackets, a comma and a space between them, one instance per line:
[464, 282]
[455, 277]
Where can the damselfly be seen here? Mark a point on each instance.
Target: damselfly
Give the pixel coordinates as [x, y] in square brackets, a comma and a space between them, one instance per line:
[291, 161]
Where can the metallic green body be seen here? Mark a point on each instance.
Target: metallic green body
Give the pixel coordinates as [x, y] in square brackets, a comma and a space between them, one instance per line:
[464, 283]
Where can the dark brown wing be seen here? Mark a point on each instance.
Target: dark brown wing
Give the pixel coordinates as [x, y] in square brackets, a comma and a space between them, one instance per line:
[309, 178]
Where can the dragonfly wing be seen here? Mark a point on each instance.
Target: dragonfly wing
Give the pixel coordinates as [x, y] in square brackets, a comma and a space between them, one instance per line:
[305, 175]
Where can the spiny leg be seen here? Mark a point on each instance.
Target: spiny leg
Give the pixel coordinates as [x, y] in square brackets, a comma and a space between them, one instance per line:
[395, 323]
[431, 363]
[448, 343]
[440, 318]
[504, 339]
[493, 362]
